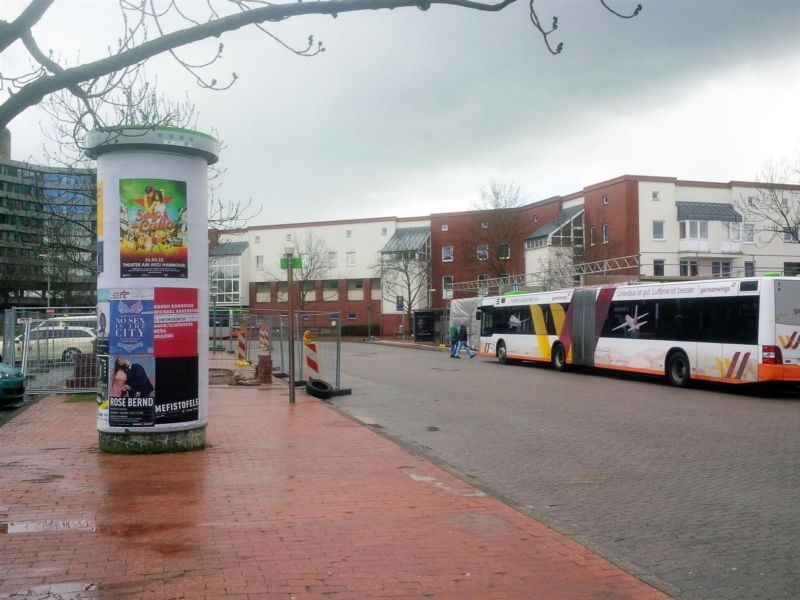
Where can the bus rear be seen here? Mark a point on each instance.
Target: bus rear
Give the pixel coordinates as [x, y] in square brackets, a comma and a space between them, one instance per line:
[780, 356]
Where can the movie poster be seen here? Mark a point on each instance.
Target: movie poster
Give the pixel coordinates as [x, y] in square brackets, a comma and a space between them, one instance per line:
[152, 228]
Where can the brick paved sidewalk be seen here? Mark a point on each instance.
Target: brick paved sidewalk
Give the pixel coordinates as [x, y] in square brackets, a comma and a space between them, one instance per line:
[287, 502]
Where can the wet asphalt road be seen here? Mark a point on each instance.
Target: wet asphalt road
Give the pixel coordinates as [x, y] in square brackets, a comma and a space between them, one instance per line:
[694, 490]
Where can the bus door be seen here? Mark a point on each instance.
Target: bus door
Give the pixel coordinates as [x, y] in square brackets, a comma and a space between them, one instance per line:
[583, 327]
[787, 320]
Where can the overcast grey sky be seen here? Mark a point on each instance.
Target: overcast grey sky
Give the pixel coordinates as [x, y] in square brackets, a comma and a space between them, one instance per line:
[409, 112]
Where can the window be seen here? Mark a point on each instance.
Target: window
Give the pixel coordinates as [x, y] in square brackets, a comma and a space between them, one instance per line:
[384, 231]
[504, 251]
[330, 290]
[350, 259]
[483, 251]
[688, 268]
[348, 233]
[288, 237]
[658, 230]
[591, 235]
[262, 292]
[351, 316]
[730, 231]
[658, 267]
[445, 227]
[655, 195]
[748, 229]
[790, 235]
[751, 201]
[791, 269]
[749, 269]
[605, 233]
[721, 268]
[447, 253]
[333, 259]
[282, 294]
[605, 199]
[484, 224]
[447, 287]
[224, 280]
[259, 261]
[535, 219]
[693, 230]
[258, 239]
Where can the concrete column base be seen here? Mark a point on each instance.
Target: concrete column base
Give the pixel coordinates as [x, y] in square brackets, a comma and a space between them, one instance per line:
[153, 442]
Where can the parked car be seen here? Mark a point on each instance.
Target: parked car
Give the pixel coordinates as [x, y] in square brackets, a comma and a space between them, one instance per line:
[12, 384]
[56, 339]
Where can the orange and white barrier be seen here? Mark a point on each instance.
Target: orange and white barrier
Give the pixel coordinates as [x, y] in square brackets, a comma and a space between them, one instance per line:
[241, 351]
[310, 350]
[263, 337]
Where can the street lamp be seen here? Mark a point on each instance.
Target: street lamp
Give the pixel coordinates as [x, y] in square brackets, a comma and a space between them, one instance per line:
[47, 265]
[289, 250]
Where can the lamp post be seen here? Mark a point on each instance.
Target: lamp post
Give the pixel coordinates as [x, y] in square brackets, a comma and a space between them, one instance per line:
[47, 266]
[289, 251]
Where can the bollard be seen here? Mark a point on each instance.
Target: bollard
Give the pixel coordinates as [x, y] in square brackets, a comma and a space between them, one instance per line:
[310, 348]
[263, 337]
[241, 354]
[264, 368]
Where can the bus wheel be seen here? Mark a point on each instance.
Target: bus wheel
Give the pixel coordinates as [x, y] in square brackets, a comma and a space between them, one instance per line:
[678, 372]
[501, 353]
[558, 357]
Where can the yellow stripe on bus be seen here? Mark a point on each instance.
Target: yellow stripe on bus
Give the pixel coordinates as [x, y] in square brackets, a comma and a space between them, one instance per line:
[540, 329]
[559, 316]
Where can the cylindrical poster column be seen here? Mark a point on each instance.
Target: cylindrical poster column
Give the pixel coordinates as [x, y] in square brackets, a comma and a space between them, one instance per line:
[152, 287]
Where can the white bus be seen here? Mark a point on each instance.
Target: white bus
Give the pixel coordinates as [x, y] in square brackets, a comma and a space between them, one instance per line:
[727, 330]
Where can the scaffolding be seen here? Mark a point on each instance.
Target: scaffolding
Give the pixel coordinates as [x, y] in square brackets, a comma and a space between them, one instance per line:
[568, 271]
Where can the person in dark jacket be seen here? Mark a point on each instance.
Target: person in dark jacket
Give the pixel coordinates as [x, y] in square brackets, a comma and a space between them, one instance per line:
[463, 342]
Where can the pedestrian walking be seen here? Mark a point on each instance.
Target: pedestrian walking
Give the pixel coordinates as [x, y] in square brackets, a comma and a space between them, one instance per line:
[463, 342]
[453, 340]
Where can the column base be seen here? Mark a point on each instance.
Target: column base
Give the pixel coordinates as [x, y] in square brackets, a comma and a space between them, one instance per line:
[153, 442]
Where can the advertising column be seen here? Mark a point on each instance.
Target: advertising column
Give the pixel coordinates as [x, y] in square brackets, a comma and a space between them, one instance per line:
[152, 287]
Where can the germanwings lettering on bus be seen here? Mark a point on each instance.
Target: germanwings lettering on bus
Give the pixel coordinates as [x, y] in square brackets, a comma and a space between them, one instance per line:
[791, 342]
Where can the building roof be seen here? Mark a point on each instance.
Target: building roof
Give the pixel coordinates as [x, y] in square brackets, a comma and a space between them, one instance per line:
[409, 239]
[556, 222]
[229, 249]
[707, 211]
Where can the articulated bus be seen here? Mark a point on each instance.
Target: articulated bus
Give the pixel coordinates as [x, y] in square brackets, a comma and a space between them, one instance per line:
[726, 330]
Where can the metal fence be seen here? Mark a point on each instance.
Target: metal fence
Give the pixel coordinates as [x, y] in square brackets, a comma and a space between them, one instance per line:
[56, 347]
[225, 325]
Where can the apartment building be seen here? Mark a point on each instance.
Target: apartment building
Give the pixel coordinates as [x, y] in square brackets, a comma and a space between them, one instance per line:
[340, 268]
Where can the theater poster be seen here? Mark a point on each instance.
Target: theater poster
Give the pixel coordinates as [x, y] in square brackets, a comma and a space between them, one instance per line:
[152, 228]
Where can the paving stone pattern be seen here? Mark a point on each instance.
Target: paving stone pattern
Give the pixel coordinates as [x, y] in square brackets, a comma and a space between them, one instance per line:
[697, 488]
[286, 502]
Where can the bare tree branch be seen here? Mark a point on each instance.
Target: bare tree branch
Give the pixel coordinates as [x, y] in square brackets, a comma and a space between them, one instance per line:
[134, 47]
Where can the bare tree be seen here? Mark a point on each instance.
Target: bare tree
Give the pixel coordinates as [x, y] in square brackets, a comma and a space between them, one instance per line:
[406, 275]
[150, 28]
[554, 270]
[315, 265]
[500, 226]
[774, 210]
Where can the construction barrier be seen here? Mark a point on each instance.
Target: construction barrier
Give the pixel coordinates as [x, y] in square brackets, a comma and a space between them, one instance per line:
[241, 353]
[263, 337]
[310, 350]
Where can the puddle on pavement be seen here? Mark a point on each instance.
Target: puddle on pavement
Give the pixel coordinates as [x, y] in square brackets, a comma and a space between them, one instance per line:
[46, 526]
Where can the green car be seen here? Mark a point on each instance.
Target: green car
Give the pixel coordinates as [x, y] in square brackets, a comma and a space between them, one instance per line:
[12, 384]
